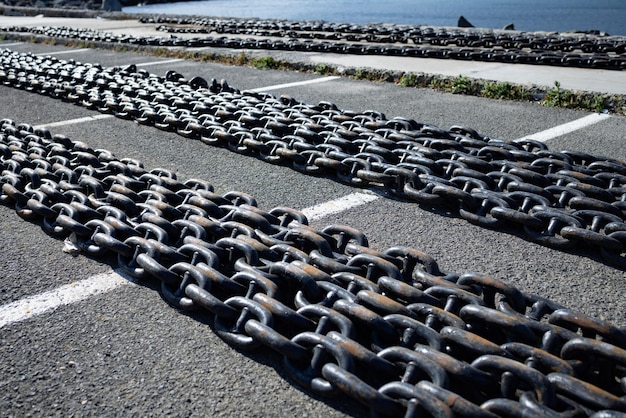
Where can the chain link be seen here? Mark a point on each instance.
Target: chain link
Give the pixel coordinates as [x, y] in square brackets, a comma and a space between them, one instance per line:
[566, 200]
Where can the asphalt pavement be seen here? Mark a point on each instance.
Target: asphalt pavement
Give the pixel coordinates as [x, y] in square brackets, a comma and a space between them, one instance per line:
[126, 352]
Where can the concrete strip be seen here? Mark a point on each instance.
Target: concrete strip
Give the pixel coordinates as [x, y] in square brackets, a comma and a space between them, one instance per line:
[583, 79]
[568, 127]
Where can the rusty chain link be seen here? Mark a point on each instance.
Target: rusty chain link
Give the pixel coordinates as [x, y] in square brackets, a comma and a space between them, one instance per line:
[584, 50]
[389, 328]
[566, 200]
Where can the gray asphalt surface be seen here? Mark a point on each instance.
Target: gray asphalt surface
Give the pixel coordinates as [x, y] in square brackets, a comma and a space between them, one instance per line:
[127, 353]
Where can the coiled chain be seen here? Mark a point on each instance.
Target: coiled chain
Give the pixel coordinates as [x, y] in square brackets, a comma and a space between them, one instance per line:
[564, 49]
[564, 200]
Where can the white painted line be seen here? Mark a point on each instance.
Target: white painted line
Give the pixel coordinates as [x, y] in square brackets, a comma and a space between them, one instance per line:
[73, 121]
[568, 127]
[12, 44]
[338, 205]
[144, 64]
[71, 51]
[74, 292]
[296, 84]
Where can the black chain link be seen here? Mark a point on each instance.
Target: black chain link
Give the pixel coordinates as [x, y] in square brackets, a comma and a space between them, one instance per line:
[566, 200]
[560, 49]
[389, 329]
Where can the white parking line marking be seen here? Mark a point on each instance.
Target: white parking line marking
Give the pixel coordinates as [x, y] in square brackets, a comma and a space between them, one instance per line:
[71, 51]
[74, 292]
[568, 127]
[295, 84]
[102, 283]
[73, 121]
[12, 44]
[338, 205]
[144, 64]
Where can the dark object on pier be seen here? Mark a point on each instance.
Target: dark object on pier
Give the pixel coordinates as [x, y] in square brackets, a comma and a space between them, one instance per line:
[464, 23]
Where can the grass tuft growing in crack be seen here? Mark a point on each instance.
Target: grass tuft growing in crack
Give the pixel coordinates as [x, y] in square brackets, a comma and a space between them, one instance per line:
[505, 91]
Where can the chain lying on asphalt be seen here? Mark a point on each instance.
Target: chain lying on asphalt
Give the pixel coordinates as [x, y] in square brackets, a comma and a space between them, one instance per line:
[389, 329]
[565, 200]
[571, 50]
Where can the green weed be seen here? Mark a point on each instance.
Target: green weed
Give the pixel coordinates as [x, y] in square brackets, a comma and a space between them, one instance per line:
[323, 69]
[462, 85]
[409, 80]
[598, 104]
[361, 74]
[241, 59]
[441, 84]
[265, 63]
[161, 52]
[504, 91]
[558, 97]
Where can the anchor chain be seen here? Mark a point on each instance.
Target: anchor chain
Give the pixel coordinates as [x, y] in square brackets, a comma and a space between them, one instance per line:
[389, 329]
[566, 200]
[560, 49]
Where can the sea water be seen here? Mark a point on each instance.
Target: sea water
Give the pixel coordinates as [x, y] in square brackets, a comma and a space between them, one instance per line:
[529, 15]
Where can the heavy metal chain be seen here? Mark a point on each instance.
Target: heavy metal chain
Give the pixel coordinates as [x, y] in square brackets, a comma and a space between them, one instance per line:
[569, 50]
[565, 200]
[389, 329]
[545, 45]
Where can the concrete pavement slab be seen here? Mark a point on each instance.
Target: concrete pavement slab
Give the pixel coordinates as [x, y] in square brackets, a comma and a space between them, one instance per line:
[592, 80]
